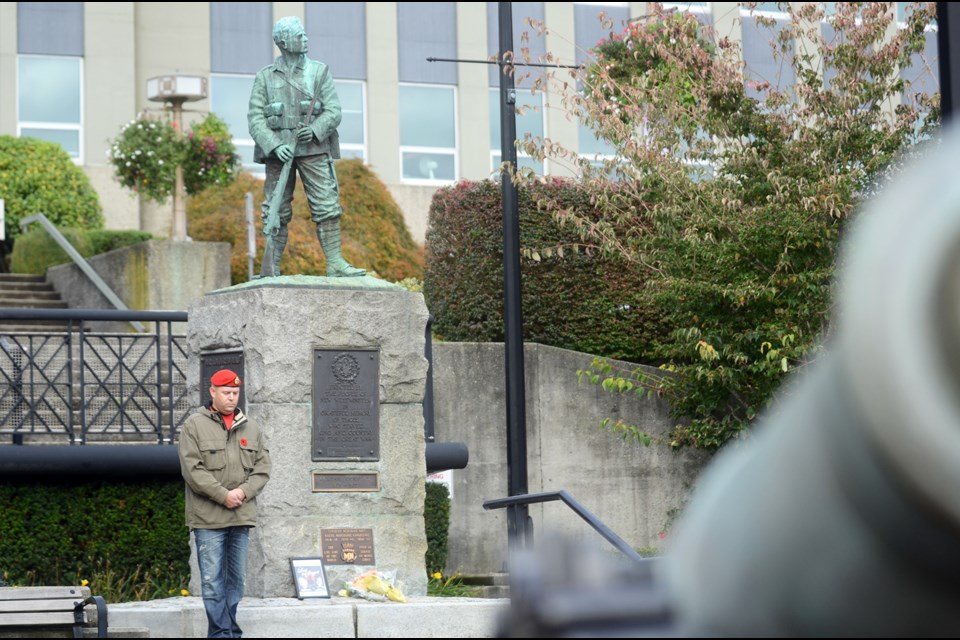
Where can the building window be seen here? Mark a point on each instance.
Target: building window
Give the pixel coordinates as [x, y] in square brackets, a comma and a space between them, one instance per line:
[229, 97]
[771, 9]
[50, 101]
[50, 74]
[689, 7]
[240, 45]
[761, 66]
[903, 8]
[530, 121]
[428, 134]
[589, 31]
[535, 45]
[352, 129]
[338, 37]
[426, 29]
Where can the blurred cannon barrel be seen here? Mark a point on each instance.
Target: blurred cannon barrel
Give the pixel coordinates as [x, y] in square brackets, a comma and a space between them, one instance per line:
[842, 515]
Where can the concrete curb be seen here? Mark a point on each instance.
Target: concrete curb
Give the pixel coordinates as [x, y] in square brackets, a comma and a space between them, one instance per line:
[425, 617]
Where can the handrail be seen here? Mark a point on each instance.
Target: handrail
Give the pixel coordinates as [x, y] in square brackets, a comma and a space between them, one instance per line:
[33, 313]
[579, 509]
[82, 263]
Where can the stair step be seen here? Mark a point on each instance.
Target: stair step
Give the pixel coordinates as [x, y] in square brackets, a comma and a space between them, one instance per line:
[487, 579]
[22, 322]
[17, 294]
[30, 291]
[29, 329]
[494, 591]
[21, 277]
[26, 286]
[32, 303]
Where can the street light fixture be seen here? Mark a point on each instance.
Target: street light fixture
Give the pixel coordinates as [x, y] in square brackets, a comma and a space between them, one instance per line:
[177, 89]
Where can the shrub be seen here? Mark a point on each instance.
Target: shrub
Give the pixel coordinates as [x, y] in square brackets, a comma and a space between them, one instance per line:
[573, 296]
[436, 520]
[374, 235]
[36, 250]
[105, 240]
[121, 536]
[39, 177]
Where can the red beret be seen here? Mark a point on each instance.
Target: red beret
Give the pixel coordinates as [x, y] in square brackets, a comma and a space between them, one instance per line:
[225, 378]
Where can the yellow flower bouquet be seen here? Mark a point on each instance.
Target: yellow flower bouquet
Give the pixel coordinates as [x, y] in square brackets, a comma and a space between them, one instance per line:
[374, 586]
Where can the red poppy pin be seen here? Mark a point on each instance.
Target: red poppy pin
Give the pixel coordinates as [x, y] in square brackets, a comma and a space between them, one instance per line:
[243, 442]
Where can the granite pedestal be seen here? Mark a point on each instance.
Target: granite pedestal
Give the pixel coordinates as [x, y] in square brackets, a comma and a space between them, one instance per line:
[280, 325]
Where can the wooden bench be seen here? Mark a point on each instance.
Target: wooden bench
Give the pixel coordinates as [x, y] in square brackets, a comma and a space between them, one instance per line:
[52, 608]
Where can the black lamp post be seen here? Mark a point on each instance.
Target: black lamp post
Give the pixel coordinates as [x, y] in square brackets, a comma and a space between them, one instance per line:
[518, 526]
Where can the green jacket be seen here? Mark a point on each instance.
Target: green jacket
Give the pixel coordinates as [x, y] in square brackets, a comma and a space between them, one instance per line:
[279, 102]
[213, 461]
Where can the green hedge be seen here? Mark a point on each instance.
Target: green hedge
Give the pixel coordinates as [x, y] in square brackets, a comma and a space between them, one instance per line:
[127, 539]
[39, 177]
[436, 519]
[103, 240]
[585, 302]
[36, 251]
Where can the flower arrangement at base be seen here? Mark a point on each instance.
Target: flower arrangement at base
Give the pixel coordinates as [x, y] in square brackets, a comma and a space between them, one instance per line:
[374, 586]
[147, 151]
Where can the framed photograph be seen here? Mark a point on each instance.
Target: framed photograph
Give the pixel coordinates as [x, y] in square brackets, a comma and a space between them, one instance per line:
[309, 578]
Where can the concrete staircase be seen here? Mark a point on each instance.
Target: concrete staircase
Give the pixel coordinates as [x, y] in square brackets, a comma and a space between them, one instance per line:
[29, 291]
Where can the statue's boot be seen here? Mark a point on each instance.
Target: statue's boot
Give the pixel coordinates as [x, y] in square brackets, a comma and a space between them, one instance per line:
[328, 232]
[272, 254]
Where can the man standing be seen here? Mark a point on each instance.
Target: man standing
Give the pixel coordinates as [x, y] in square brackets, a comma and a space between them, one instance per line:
[225, 462]
[293, 117]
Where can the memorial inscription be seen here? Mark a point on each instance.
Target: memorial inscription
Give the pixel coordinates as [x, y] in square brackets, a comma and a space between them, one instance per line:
[333, 481]
[346, 405]
[347, 546]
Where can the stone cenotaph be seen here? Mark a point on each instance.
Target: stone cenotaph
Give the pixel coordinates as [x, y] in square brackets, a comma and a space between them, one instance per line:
[334, 371]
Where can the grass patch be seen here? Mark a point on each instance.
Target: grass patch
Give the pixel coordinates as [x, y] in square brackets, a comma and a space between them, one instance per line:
[451, 587]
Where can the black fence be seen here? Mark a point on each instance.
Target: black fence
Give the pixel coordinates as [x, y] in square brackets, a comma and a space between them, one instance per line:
[78, 385]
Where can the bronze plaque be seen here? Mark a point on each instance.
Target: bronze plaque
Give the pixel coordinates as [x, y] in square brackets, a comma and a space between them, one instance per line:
[210, 363]
[346, 405]
[345, 481]
[347, 546]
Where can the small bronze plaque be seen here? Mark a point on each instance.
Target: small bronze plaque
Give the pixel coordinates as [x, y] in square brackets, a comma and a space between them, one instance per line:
[347, 546]
[344, 481]
[210, 363]
[346, 405]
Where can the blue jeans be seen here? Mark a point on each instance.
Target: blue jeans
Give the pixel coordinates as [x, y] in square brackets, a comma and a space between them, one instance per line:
[222, 556]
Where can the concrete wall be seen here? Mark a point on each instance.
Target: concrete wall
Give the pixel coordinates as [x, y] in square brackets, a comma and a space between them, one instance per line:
[631, 488]
[154, 275]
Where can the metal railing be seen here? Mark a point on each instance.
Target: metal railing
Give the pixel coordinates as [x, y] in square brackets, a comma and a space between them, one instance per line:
[579, 509]
[79, 385]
